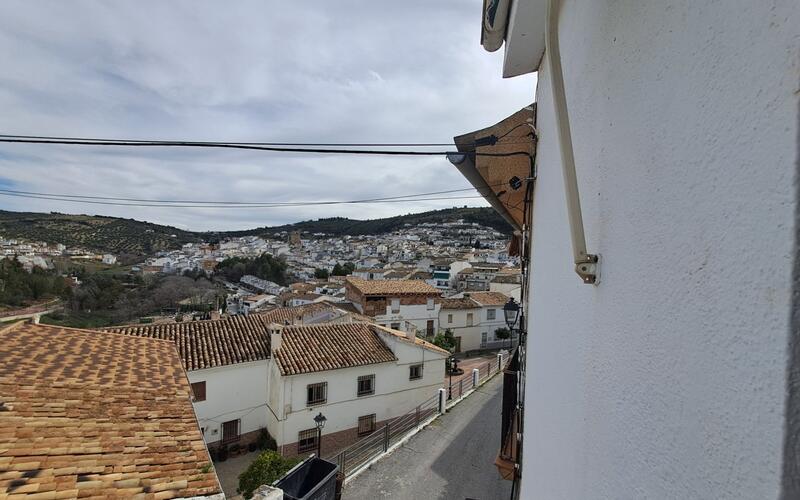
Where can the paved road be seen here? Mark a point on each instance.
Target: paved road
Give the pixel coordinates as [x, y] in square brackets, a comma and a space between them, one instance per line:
[453, 458]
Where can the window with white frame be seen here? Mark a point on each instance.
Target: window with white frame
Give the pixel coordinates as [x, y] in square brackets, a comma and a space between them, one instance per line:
[449, 318]
[491, 313]
[484, 338]
[395, 305]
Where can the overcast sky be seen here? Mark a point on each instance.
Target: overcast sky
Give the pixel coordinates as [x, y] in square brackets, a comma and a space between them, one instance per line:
[313, 71]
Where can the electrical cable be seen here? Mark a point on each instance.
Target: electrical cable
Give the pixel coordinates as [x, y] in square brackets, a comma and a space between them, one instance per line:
[279, 149]
[266, 205]
[215, 203]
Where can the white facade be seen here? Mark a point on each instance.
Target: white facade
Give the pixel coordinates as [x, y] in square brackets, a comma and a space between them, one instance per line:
[237, 391]
[420, 315]
[475, 327]
[395, 395]
[669, 378]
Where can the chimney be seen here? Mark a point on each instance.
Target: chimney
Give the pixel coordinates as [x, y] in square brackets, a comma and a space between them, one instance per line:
[411, 334]
[275, 331]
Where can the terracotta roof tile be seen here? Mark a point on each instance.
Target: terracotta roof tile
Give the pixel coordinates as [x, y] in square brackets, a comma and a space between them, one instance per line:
[87, 414]
[206, 344]
[489, 298]
[464, 303]
[315, 348]
[392, 287]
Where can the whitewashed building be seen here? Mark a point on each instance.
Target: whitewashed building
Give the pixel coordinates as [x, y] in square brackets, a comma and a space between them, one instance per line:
[358, 375]
[473, 318]
[397, 303]
[658, 227]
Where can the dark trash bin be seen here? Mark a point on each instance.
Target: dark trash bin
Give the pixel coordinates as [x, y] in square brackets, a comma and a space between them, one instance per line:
[312, 479]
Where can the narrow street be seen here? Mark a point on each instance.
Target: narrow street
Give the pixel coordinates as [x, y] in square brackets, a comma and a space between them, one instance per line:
[453, 458]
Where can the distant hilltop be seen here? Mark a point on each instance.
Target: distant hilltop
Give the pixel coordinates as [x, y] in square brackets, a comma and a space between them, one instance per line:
[128, 236]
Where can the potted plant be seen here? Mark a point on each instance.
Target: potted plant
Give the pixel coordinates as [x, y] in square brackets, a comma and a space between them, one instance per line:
[252, 446]
[222, 453]
[234, 449]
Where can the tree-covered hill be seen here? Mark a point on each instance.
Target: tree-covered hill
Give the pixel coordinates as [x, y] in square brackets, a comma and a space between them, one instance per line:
[129, 236]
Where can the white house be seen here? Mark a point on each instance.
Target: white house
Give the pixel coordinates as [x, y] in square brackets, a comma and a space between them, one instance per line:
[397, 303]
[473, 318]
[661, 220]
[358, 375]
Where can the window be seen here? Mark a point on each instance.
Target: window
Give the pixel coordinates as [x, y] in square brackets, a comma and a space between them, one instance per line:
[469, 319]
[429, 327]
[366, 424]
[395, 305]
[483, 338]
[199, 391]
[415, 372]
[307, 440]
[449, 318]
[366, 385]
[431, 305]
[395, 326]
[491, 313]
[230, 431]
[316, 393]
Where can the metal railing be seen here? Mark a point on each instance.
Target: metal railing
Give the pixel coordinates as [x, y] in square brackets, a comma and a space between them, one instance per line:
[395, 430]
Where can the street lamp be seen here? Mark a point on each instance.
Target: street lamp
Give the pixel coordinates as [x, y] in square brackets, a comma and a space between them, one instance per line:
[511, 313]
[319, 421]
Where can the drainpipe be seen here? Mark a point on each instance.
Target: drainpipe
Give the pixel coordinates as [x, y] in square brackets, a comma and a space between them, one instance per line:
[586, 264]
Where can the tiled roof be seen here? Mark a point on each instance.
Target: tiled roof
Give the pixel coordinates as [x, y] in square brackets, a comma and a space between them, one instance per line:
[316, 348]
[489, 298]
[418, 341]
[293, 314]
[206, 344]
[93, 415]
[465, 303]
[507, 278]
[392, 287]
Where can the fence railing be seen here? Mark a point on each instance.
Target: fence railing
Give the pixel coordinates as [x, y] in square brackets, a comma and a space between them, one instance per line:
[395, 430]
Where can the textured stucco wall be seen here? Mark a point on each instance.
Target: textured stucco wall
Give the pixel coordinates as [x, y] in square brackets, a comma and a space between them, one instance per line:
[668, 379]
[237, 391]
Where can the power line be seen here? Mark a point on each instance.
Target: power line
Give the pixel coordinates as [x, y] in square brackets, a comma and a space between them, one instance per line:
[263, 205]
[280, 149]
[258, 203]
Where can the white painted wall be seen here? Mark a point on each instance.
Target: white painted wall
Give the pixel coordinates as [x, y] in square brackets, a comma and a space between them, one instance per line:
[233, 392]
[667, 379]
[418, 315]
[394, 394]
[471, 335]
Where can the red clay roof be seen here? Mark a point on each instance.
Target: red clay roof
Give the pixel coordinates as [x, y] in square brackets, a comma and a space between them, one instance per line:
[100, 415]
[465, 303]
[489, 298]
[392, 287]
[316, 348]
[206, 344]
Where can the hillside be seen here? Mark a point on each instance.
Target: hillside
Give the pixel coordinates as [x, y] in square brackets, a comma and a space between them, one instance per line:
[340, 226]
[99, 233]
[128, 236]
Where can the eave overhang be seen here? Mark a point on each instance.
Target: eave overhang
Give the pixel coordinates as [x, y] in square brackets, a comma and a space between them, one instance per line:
[493, 176]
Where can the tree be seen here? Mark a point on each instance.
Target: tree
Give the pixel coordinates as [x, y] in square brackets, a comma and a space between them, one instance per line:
[445, 340]
[321, 274]
[502, 333]
[266, 469]
[343, 270]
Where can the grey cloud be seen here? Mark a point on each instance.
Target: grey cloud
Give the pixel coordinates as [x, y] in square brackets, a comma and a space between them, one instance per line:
[244, 71]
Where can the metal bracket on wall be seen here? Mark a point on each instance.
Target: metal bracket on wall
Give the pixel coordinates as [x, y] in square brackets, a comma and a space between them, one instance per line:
[586, 264]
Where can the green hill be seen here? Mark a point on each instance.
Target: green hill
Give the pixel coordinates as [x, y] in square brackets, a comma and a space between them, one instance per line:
[128, 236]
[95, 232]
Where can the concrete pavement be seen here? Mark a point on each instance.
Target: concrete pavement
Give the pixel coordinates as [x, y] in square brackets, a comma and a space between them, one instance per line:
[453, 458]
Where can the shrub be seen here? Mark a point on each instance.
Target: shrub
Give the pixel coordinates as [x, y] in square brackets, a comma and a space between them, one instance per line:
[265, 441]
[268, 467]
